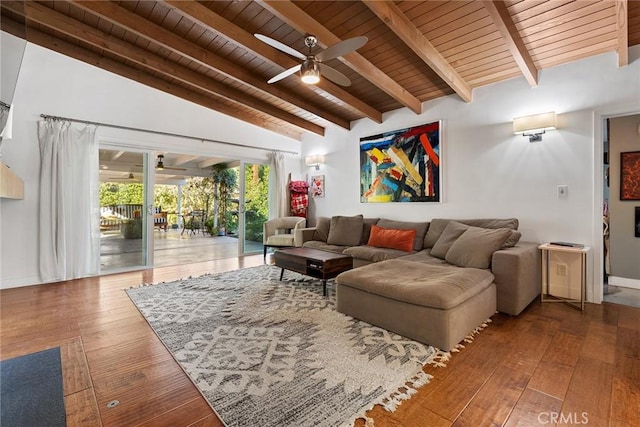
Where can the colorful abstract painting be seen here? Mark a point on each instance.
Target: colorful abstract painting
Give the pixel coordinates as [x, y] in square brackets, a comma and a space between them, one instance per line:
[401, 166]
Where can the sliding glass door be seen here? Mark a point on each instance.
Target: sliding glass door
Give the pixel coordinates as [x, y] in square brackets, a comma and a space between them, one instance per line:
[253, 209]
[124, 207]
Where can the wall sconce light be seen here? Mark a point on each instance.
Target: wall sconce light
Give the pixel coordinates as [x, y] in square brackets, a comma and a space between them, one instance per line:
[316, 161]
[534, 126]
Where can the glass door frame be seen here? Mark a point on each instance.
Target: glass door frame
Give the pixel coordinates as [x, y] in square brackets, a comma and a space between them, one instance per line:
[148, 185]
[242, 205]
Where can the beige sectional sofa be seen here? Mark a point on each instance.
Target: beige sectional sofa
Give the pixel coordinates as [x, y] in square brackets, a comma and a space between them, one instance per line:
[455, 275]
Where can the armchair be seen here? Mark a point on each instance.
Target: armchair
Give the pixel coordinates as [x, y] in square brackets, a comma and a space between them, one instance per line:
[279, 232]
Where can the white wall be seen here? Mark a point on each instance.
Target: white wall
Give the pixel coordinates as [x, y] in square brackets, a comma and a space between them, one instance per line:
[490, 172]
[50, 83]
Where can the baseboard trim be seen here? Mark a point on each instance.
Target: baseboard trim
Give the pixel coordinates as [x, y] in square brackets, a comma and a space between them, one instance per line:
[20, 282]
[624, 282]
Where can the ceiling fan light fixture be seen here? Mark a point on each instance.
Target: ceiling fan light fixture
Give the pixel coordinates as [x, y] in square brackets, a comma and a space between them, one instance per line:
[310, 72]
[160, 164]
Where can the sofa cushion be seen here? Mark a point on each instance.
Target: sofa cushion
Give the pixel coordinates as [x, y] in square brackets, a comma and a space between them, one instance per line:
[324, 246]
[512, 240]
[280, 240]
[475, 246]
[441, 287]
[366, 229]
[373, 254]
[424, 257]
[420, 227]
[451, 232]
[438, 225]
[392, 238]
[345, 230]
[321, 232]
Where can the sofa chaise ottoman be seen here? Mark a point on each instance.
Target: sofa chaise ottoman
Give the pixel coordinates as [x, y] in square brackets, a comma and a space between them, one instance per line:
[440, 311]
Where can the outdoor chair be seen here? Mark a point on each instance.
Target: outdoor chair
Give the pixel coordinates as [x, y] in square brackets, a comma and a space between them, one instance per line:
[279, 232]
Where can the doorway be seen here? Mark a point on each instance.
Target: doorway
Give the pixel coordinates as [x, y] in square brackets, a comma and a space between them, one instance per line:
[621, 270]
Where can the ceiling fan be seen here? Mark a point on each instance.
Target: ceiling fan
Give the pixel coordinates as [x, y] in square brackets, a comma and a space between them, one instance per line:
[312, 65]
[161, 166]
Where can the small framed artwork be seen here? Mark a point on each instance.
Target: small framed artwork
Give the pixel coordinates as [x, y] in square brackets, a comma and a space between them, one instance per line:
[317, 186]
[637, 223]
[630, 175]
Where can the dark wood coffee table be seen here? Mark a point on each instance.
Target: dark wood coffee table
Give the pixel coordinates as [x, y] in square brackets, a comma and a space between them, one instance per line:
[313, 262]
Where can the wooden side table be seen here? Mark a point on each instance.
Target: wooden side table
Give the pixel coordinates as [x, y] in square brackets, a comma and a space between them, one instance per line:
[582, 252]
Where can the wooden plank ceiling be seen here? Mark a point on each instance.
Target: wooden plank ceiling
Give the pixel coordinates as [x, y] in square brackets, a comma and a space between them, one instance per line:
[417, 51]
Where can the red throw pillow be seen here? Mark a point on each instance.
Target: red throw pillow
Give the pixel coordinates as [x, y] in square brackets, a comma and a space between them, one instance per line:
[391, 238]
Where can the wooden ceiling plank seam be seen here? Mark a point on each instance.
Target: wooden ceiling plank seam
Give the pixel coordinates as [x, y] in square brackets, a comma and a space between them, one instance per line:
[503, 21]
[576, 42]
[470, 65]
[519, 6]
[455, 33]
[559, 15]
[410, 35]
[94, 37]
[477, 42]
[178, 45]
[216, 23]
[622, 26]
[445, 13]
[466, 23]
[485, 68]
[564, 57]
[544, 11]
[566, 38]
[498, 78]
[577, 50]
[582, 24]
[477, 51]
[115, 67]
[487, 33]
[297, 18]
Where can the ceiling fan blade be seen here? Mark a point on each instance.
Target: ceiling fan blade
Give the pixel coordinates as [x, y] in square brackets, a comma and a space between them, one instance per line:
[285, 73]
[342, 48]
[334, 75]
[173, 168]
[280, 46]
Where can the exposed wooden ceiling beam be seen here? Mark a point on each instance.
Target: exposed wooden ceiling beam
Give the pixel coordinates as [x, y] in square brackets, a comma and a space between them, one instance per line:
[141, 27]
[393, 17]
[622, 25]
[79, 31]
[84, 55]
[502, 20]
[303, 23]
[210, 20]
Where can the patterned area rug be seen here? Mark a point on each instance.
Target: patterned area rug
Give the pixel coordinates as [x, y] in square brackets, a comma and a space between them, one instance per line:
[270, 353]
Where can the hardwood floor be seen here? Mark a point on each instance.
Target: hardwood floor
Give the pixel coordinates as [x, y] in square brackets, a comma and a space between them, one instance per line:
[552, 365]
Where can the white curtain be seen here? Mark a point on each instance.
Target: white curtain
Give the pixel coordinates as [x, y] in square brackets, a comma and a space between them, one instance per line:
[279, 184]
[69, 212]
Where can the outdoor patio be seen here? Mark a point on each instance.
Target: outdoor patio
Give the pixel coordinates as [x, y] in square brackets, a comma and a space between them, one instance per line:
[171, 248]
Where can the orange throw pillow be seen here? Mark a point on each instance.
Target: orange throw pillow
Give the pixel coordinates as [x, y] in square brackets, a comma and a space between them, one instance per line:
[391, 238]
